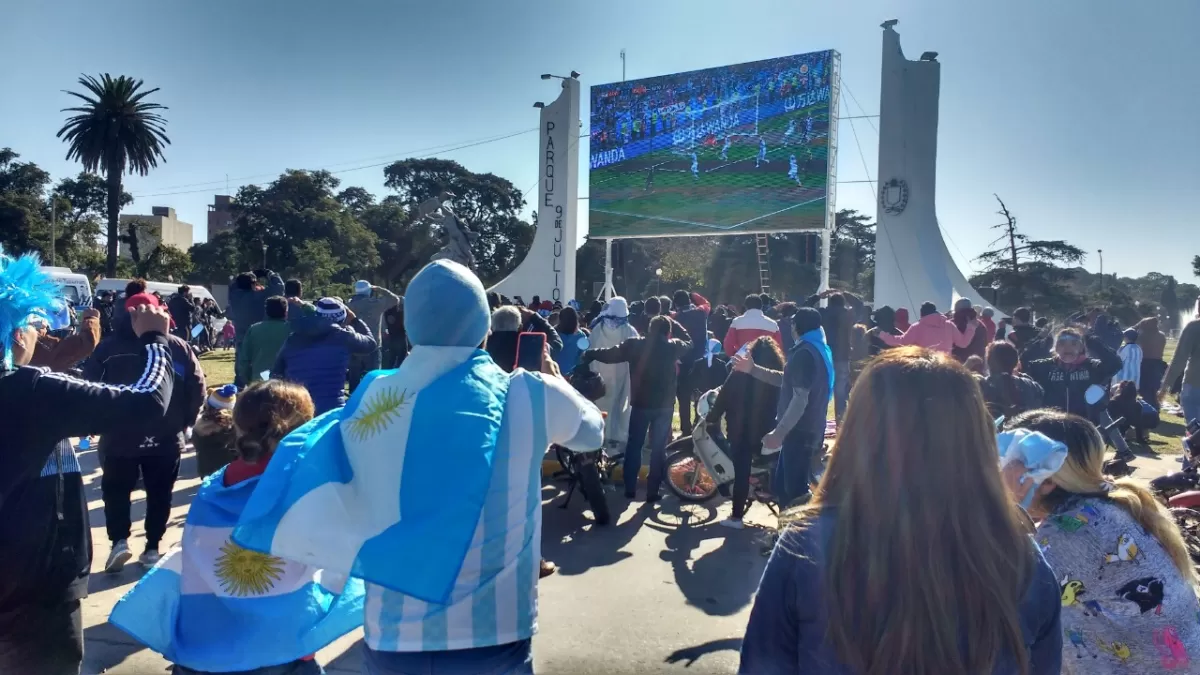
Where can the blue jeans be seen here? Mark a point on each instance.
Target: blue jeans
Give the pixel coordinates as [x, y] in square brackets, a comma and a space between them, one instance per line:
[1189, 398]
[656, 421]
[515, 658]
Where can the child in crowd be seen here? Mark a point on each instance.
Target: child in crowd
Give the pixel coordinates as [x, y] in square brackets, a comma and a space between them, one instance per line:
[240, 604]
[213, 435]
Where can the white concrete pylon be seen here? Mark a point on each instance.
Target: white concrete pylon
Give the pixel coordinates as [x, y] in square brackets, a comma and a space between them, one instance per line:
[912, 263]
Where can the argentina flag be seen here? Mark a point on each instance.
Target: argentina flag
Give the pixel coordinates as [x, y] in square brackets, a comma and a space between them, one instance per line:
[345, 494]
[214, 606]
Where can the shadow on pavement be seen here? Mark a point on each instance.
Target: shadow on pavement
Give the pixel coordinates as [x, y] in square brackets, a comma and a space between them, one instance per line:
[106, 646]
[577, 544]
[722, 581]
[690, 655]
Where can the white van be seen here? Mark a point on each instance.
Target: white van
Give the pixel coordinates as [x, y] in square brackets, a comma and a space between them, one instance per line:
[164, 288]
[77, 290]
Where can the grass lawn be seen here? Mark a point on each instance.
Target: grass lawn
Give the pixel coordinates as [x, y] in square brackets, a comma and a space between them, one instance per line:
[218, 367]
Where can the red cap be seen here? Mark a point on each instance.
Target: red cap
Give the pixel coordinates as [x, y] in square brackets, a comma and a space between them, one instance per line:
[138, 299]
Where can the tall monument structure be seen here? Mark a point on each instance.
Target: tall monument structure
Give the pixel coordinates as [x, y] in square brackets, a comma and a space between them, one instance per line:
[548, 270]
[912, 263]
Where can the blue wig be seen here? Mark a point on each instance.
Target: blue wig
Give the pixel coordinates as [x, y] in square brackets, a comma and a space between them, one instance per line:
[26, 291]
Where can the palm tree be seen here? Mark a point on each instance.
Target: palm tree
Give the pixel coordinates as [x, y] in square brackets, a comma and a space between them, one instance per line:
[116, 131]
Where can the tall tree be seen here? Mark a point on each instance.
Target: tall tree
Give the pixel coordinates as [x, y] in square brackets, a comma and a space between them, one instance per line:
[852, 259]
[1170, 304]
[115, 131]
[1196, 265]
[488, 204]
[1027, 270]
[24, 218]
[216, 260]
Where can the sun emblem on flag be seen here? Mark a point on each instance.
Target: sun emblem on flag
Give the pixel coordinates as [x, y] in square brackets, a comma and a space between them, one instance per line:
[244, 572]
[376, 414]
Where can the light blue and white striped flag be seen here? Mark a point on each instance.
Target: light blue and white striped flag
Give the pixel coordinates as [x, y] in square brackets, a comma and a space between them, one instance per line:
[390, 488]
[212, 605]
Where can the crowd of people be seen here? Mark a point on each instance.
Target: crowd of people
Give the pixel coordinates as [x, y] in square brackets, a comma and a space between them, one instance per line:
[930, 544]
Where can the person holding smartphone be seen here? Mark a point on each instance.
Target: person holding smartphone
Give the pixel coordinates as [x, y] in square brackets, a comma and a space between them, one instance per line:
[652, 374]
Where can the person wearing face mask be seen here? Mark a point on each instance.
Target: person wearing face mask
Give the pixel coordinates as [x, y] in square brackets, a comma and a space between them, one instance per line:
[1077, 364]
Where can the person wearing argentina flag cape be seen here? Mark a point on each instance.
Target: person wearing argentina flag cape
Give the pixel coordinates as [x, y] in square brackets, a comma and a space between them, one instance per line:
[427, 486]
[211, 606]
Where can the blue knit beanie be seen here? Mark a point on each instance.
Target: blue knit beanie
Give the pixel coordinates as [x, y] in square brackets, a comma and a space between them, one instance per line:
[446, 306]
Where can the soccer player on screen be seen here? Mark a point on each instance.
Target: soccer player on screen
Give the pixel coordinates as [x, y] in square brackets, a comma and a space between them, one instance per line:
[787, 135]
[695, 167]
[793, 170]
[649, 179]
[808, 132]
[725, 149]
[762, 152]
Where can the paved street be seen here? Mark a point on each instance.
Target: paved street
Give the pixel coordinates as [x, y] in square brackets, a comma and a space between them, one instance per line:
[663, 589]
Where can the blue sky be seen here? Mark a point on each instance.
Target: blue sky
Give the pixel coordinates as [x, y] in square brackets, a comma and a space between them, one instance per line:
[1081, 114]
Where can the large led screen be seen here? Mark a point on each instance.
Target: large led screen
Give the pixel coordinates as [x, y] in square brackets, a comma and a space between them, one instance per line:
[725, 150]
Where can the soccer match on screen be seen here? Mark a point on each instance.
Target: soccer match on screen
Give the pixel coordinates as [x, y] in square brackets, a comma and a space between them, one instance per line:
[726, 150]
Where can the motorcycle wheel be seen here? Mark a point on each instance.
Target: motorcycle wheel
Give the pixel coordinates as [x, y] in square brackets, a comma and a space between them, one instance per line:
[688, 478]
[1188, 521]
[593, 491]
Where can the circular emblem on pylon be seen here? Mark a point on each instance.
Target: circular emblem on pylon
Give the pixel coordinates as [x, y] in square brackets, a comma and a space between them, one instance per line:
[894, 196]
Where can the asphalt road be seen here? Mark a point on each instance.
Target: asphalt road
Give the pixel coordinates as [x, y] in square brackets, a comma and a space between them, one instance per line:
[662, 590]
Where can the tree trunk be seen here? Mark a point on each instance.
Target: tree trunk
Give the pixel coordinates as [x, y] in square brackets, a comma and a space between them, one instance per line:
[114, 215]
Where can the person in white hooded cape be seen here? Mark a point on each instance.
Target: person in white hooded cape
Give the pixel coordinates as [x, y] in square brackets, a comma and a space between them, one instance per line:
[610, 329]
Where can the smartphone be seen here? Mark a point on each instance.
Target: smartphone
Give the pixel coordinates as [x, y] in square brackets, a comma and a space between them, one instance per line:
[530, 347]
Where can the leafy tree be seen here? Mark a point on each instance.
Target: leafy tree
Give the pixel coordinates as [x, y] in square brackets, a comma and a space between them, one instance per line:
[852, 259]
[166, 262]
[115, 131]
[1196, 265]
[489, 205]
[317, 265]
[1027, 269]
[356, 199]
[1170, 304]
[296, 208]
[404, 244]
[217, 260]
[24, 218]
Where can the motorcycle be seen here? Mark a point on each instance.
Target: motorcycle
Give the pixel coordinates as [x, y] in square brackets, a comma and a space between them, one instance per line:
[583, 470]
[1181, 492]
[699, 467]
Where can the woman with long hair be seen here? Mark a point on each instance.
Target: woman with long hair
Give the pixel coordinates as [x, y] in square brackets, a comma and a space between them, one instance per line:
[911, 557]
[570, 331]
[1007, 391]
[1128, 585]
[748, 406]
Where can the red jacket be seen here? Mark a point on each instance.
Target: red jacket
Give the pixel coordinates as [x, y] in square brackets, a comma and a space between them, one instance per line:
[748, 328]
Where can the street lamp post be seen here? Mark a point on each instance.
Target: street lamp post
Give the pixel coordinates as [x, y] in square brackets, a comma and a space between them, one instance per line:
[658, 281]
[1100, 252]
[995, 293]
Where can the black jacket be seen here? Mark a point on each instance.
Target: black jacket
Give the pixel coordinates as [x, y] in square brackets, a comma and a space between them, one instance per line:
[45, 540]
[532, 322]
[748, 405]
[1065, 385]
[183, 312]
[121, 359]
[695, 320]
[652, 371]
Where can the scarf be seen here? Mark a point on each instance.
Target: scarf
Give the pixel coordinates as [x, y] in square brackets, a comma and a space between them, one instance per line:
[816, 338]
[615, 313]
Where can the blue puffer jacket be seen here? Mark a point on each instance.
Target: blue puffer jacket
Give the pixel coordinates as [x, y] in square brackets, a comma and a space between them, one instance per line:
[317, 355]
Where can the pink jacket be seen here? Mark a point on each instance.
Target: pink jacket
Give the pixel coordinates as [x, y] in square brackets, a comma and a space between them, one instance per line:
[748, 328]
[933, 332]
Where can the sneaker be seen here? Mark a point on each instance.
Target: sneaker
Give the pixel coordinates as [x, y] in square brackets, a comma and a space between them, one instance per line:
[150, 556]
[119, 556]
[651, 498]
[733, 523]
[630, 495]
[546, 568]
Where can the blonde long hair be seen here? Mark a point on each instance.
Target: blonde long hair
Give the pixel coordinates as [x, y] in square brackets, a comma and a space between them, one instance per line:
[1083, 474]
[927, 553]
